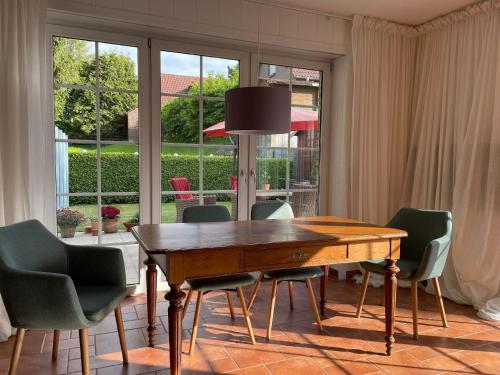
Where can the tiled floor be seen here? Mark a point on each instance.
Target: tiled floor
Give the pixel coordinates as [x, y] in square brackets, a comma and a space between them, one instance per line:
[348, 345]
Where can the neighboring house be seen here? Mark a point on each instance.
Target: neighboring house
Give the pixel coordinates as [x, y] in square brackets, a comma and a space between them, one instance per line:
[170, 84]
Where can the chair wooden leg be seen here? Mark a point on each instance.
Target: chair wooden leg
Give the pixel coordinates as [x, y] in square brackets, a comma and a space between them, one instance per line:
[55, 344]
[84, 350]
[271, 309]
[186, 303]
[439, 301]
[245, 314]
[121, 333]
[366, 278]
[290, 294]
[230, 303]
[313, 304]
[255, 289]
[16, 352]
[414, 308]
[195, 322]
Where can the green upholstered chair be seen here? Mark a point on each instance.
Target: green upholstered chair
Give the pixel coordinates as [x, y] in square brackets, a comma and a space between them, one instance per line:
[276, 209]
[48, 284]
[423, 255]
[229, 283]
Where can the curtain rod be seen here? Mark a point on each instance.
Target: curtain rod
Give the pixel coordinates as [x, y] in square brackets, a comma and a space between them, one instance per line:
[298, 9]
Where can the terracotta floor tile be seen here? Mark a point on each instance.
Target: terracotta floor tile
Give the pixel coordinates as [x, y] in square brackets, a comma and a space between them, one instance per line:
[295, 366]
[352, 367]
[347, 346]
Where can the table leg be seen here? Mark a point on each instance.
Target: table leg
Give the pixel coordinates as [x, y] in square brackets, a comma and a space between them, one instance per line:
[323, 289]
[390, 296]
[151, 297]
[175, 297]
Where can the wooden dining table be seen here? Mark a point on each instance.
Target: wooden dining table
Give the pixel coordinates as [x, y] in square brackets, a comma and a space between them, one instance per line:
[185, 251]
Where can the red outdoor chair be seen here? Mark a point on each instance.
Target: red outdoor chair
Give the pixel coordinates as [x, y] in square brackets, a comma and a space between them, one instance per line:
[182, 201]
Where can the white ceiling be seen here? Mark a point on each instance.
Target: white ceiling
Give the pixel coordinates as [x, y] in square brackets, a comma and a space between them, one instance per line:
[411, 12]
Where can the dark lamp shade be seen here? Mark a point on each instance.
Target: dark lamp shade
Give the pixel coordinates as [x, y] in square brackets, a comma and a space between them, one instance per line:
[258, 110]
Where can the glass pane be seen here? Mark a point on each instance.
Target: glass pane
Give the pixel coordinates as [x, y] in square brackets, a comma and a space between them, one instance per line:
[131, 258]
[119, 115]
[74, 61]
[304, 168]
[76, 168]
[305, 128]
[117, 66]
[274, 75]
[120, 168]
[173, 205]
[180, 73]
[183, 164]
[77, 220]
[305, 86]
[180, 121]
[75, 113]
[220, 169]
[118, 214]
[214, 126]
[271, 171]
[219, 75]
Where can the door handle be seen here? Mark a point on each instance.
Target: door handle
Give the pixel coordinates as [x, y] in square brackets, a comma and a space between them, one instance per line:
[243, 174]
[252, 174]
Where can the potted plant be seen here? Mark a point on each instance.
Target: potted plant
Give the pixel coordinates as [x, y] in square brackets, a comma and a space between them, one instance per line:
[94, 223]
[265, 182]
[132, 222]
[68, 220]
[110, 218]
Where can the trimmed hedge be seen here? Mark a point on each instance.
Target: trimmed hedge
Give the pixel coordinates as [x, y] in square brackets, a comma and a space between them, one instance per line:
[120, 173]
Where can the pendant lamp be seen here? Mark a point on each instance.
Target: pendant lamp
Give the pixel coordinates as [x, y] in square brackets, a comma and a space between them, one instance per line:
[258, 110]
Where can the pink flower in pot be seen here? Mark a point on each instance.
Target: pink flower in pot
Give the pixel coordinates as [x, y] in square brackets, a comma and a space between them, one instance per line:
[110, 218]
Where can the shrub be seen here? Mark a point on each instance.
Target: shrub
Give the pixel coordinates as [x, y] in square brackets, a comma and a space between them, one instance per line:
[120, 173]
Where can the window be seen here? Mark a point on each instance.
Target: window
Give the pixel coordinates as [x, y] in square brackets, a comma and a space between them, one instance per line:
[96, 120]
[287, 165]
[199, 160]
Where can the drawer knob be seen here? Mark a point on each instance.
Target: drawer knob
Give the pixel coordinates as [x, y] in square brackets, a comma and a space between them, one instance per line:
[299, 255]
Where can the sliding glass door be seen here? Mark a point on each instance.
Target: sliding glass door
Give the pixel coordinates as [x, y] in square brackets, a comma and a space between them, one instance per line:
[287, 166]
[198, 161]
[97, 125]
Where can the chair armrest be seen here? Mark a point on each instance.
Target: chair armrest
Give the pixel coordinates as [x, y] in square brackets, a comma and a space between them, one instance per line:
[433, 259]
[96, 265]
[41, 300]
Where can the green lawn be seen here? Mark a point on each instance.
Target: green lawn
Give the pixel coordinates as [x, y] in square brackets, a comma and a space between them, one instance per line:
[168, 213]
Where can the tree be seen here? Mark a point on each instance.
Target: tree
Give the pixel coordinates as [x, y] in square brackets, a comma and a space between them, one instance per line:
[180, 117]
[75, 109]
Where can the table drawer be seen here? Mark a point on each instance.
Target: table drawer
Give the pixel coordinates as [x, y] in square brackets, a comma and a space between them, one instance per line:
[369, 251]
[210, 263]
[267, 258]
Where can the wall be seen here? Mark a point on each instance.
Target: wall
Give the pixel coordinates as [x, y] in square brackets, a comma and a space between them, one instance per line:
[235, 20]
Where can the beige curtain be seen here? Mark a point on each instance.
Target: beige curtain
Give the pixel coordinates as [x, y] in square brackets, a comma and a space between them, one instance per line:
[26, 176]
[454, 150]
[383, 56]
[425, 132]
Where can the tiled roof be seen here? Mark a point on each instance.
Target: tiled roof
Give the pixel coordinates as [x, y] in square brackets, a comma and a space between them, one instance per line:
[176, 84]
[305, 73]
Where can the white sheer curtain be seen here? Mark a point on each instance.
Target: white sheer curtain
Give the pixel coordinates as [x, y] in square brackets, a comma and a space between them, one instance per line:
[25, 147]
[383, 56]
[454, 158]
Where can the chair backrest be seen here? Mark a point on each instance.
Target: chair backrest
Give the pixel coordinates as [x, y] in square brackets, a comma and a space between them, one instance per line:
[234, 182]
[205, 214]
[422, 227]
[273, 209]
[30, 246]
[181, 184]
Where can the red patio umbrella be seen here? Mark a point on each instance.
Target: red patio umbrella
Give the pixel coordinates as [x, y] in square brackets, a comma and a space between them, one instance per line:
[301, 120]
